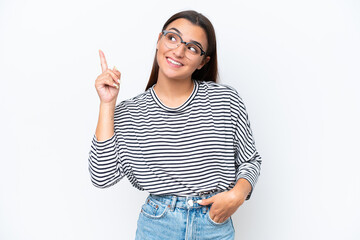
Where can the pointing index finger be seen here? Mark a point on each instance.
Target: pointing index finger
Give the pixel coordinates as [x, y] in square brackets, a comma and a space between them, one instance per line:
[104, 65]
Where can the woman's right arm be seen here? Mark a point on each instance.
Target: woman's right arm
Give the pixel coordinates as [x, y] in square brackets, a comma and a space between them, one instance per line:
[105, 125]
[107, 86]
[104, 165]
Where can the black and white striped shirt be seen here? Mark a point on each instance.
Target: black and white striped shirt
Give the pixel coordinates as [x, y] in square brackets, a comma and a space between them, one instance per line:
[205, 144]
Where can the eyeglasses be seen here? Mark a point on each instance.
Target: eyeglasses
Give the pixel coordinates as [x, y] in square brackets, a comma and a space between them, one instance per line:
[173, 40]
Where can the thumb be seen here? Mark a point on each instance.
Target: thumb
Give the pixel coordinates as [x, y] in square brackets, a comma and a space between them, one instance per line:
[206, 201]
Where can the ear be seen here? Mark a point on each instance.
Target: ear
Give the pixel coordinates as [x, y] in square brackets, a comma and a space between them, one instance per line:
[203, 62]
[157, 43]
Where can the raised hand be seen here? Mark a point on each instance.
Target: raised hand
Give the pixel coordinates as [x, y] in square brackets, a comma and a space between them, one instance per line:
[107, 84]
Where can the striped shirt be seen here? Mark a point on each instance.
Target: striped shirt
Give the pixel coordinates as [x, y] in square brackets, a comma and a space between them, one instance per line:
[203, 145]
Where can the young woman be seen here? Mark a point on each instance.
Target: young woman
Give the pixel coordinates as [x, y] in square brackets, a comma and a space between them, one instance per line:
[186, 139]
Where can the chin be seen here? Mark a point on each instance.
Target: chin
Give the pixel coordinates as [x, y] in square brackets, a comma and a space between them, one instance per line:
[175, 74]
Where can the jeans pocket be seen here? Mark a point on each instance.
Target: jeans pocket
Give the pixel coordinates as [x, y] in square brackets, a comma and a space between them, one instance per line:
[154, 209]
[215, 223]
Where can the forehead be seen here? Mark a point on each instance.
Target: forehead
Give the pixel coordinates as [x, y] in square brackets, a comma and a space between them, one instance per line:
[189, 31]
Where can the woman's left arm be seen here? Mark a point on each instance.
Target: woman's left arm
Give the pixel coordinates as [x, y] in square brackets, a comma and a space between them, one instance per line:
[247, 167]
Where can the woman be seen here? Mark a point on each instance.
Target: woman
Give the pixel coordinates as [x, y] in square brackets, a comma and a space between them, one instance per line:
[186, 140]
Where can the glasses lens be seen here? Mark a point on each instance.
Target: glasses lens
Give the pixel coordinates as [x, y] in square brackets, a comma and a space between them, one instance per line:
[172, 40]
[193, 49]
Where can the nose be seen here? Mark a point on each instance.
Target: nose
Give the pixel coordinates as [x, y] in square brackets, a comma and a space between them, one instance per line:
[180, 50]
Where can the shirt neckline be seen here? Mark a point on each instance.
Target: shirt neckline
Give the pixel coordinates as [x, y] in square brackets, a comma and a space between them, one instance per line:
[179, 108]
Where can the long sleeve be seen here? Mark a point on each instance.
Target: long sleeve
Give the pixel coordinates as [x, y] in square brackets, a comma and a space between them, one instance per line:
[247, 158]
[104, 162]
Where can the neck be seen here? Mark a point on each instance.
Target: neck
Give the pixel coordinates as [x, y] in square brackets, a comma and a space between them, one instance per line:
[174, 89]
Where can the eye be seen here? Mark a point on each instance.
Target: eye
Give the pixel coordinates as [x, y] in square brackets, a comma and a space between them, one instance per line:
[171, 37]
[193, 48]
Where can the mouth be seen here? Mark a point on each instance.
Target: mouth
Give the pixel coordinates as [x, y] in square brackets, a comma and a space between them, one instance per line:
[174, 63]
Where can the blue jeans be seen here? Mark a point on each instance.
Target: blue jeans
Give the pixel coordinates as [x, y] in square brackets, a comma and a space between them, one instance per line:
[172, 217]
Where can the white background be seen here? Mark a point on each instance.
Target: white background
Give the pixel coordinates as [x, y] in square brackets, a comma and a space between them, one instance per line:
[295, 63]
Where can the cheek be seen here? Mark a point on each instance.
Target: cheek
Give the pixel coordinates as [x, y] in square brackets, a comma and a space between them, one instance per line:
[197, 64]
[160, 52]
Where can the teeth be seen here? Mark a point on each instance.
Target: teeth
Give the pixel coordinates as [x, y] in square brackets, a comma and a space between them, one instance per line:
[172, 61]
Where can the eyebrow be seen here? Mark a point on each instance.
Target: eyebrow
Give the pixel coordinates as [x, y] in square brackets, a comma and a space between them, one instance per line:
[176, 30]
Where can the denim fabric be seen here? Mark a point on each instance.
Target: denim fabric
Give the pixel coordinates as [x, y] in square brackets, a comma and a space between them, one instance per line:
[171, 217]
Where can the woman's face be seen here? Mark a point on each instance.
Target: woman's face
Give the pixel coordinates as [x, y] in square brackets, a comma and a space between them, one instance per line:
[175, 63]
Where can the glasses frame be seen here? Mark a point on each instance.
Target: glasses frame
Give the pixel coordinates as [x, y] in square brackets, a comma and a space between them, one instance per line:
[164, 32]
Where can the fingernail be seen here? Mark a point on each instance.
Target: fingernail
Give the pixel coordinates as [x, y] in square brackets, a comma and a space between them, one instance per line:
[118, 80]
[116, 85]
[115, 68]
[199, 201]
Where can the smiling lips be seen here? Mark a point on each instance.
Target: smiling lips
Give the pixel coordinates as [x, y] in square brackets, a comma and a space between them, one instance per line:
[174, 63]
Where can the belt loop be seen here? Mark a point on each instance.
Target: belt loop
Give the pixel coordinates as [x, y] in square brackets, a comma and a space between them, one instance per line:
[204, 208]
[173, 202]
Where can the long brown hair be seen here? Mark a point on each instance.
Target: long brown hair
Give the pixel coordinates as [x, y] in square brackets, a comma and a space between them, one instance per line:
[209, 72]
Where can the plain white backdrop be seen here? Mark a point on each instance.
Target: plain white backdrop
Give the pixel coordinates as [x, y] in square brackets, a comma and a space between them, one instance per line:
[295, 63]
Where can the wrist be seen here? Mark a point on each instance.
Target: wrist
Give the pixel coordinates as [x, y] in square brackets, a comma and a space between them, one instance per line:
[237, 197]
[238, 194]
[108, 105]
[242, 188]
